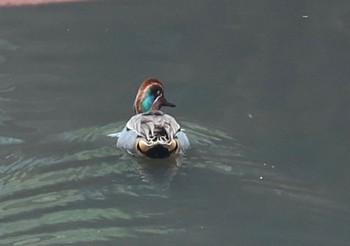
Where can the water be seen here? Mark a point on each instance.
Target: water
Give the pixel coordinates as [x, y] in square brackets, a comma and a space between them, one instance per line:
[261, 89]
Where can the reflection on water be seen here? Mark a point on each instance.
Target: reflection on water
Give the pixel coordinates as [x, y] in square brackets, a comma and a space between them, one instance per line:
[87, 190]
[64, 82]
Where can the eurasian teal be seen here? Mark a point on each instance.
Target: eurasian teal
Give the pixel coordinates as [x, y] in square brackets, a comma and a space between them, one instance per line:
[150, 132]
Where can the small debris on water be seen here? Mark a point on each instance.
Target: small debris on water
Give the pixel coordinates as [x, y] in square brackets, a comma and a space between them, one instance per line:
[250, 116]
[261, 177]
[264, 164]
[273, 166]
[68, 30]
[305, 16]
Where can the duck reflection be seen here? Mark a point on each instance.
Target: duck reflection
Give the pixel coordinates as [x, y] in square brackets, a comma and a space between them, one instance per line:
[158, 171]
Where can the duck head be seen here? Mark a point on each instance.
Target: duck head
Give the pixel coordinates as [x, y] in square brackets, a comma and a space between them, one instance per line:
[150, 97]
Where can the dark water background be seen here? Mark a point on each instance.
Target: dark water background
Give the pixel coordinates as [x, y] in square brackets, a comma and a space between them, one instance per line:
[261, 86]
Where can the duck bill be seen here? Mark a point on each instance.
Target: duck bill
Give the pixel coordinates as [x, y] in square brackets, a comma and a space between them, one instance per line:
[168, 104]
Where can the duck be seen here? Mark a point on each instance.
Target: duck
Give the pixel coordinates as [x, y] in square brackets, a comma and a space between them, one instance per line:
[151, 132]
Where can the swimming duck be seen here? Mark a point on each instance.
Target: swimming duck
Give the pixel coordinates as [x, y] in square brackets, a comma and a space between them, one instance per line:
[150, 132]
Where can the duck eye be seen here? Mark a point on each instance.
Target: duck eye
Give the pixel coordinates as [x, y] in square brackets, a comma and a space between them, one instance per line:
[158, 92]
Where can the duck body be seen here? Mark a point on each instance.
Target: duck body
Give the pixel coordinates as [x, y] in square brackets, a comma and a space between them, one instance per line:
[154, 134]
[151, 132]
